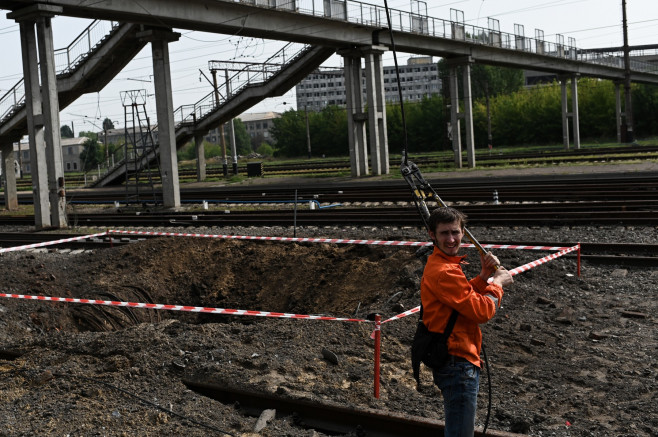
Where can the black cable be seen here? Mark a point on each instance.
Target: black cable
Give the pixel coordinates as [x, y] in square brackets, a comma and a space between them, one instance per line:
[486, 364]
[405, 143]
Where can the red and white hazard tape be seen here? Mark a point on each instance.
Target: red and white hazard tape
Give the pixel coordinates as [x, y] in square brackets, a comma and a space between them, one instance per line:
[285, 239]
[543, 260]
[512, 272]
[194, 309]
[238, 312]
[326, 240]
[51, 243]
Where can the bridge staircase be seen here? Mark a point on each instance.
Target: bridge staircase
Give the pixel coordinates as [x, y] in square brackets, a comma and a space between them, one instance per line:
[86, 65]
[251, 87]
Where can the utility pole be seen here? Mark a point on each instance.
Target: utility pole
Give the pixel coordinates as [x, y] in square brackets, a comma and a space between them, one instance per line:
[308, 133]
[628, 108]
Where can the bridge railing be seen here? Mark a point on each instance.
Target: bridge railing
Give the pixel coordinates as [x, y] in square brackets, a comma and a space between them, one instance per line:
[616, 59]
[413, 22]
[239, 80]
[12, 101]
[66, 60]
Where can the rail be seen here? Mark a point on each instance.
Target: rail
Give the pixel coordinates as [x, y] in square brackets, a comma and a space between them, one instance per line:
[67, 59]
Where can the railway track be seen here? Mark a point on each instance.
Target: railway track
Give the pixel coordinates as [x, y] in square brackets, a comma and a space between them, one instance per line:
[621, 254]
[530, 201]
[602, 187]
[328, 418]
[544, 214]
[342, 165]
[537, 189]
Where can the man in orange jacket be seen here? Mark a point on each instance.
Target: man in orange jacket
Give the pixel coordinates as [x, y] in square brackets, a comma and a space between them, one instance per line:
[445, 288]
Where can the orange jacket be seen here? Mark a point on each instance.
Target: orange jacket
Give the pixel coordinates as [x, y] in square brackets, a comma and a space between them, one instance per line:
[444, 287]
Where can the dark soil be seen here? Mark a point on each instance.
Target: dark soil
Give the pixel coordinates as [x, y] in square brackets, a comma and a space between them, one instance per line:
[569, 355]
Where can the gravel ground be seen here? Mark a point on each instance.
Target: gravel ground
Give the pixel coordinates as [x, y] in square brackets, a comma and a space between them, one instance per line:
[569, 355]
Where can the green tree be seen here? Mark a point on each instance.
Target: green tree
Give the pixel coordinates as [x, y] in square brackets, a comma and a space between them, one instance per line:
[645, 108]
[108, 124]
[91, 155]
[327, 131]
[89, 134]
[289, 131]
[65, 131]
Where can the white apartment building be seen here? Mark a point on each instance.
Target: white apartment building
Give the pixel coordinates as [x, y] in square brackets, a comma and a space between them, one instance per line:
[71, 149]
[418, 79]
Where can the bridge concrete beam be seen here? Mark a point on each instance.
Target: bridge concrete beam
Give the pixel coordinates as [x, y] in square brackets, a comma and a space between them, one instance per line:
[491, 55]
[42, 104]
[51, 125]
[573, 114]
[35, 127]
[160, 39]
[228, 17]
[9, 175]
[200, 156]
[224, 17]
[376, 109]
[356, 122]
[456, 115]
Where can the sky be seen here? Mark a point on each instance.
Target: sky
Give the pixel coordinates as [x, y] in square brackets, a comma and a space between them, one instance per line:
[593, 23]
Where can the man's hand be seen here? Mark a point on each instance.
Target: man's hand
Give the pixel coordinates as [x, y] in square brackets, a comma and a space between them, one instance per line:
[502, 277]
[489, 263]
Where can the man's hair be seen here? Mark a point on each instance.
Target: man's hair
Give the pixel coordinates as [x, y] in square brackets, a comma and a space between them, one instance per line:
[446, 215]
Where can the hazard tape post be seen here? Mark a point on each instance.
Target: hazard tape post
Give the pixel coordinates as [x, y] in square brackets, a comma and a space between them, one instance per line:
[378, 342]
[376, 335]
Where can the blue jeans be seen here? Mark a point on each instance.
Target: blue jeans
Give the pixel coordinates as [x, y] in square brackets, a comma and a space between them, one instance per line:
[459, 383]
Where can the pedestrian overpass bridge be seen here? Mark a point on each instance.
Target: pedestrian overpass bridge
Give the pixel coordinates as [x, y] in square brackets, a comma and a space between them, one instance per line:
[355, 30]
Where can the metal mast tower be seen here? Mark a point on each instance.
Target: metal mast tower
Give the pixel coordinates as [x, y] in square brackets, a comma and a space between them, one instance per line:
[140, 150]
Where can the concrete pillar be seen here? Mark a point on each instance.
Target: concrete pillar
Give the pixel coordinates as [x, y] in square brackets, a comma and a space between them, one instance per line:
[355, 117]
[468, 116]
[618, 113]
[50, 105]
[565, 114]
[454, 117]
[9, 176]
[574, 111]
[35, 128]
[376, 110]
[231, 127]
[160, 39]
[200, 156]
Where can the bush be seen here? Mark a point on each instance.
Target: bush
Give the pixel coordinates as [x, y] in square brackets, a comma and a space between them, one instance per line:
[265, 150]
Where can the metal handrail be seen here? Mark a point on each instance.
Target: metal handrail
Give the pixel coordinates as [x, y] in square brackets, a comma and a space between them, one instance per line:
[67, 59]
[193, 113]
[371, 15]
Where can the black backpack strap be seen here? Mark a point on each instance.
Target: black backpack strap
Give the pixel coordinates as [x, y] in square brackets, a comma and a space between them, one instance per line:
[451, 324]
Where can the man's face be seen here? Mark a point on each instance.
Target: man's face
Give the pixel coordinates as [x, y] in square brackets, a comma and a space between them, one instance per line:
[448, 237]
